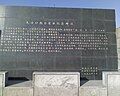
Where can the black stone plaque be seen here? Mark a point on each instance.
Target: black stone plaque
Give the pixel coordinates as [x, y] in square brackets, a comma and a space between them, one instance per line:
[57, 39]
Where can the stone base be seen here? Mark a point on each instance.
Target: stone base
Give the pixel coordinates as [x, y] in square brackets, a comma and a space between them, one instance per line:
[3, 78]
[56, 83]
[18, 91]
[93, 88]
[3, 81]
[113, 85]
[62, 84]
[105, 76]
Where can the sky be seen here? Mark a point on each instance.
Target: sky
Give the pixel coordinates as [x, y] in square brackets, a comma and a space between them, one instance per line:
[104, 4]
